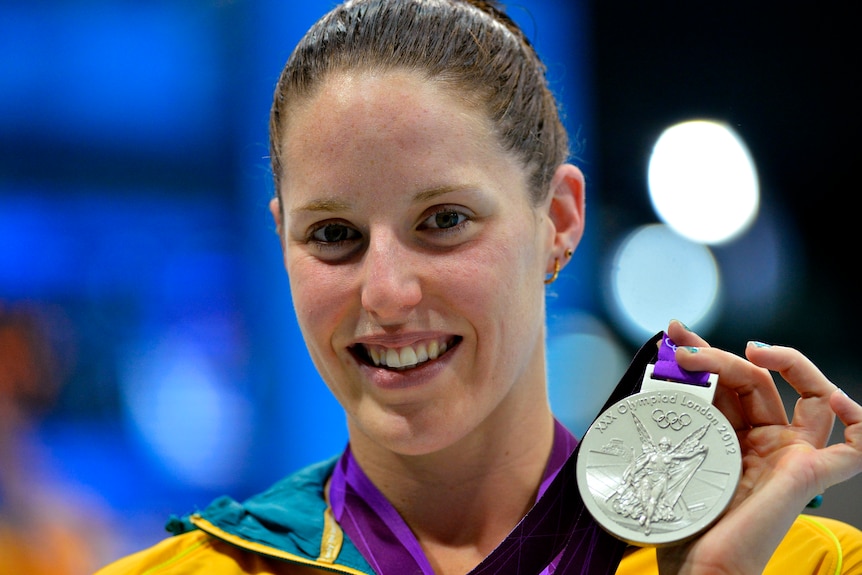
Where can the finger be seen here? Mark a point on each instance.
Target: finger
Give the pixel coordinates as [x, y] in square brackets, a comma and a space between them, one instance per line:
[754, 387]
[844, 460]
[813, 412]
[850, 414]
[728, 403]
[682, 335]
[764, 410]
[794, 367]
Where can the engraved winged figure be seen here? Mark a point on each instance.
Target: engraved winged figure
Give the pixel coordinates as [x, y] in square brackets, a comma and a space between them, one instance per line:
[654, 480]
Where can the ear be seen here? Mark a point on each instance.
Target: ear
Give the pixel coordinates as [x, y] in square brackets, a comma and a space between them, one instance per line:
[566, 210]
[278, 217]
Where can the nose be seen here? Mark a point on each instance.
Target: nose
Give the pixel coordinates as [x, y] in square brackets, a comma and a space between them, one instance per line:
[390, 286]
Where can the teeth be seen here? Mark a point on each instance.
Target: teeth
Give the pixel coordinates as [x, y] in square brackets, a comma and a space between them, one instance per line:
[407, 356]
[392, 358]
[421, 353]
[375, 355]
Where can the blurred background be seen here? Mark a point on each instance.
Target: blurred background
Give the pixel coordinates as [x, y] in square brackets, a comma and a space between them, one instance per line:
[149, 359]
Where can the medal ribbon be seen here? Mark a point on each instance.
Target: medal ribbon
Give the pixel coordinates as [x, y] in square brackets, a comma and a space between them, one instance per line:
[376, 528]
[667, 368]
[557, 536]
[372, 523]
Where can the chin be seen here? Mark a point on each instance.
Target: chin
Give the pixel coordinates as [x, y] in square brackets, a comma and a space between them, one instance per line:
[412, 435]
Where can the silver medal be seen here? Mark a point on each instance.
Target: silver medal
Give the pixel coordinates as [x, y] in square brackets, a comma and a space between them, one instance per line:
[660, 466]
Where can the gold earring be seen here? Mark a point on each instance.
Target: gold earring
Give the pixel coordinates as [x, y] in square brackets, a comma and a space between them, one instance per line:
[569, 252]
[555, 275]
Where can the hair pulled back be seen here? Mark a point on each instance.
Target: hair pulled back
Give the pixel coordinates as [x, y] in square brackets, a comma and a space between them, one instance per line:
[470, 45]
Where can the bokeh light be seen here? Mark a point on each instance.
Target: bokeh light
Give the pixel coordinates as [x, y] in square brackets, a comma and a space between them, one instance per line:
[656, 275]
[191, 418]
[585, 362]
[703, 182]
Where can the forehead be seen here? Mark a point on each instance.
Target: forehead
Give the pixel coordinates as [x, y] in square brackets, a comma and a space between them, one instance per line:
[365, 119]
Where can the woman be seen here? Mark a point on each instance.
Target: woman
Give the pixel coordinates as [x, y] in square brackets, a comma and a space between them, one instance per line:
[423, 201]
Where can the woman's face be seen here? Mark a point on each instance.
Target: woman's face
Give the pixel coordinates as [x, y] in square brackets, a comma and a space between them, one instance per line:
[416, 262]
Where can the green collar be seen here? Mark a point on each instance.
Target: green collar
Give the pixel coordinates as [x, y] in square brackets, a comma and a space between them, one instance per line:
[291, 520]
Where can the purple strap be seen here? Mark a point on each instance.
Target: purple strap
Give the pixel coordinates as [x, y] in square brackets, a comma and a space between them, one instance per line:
[372, 523]
[558, 535]
[667, 368]
[380, 533]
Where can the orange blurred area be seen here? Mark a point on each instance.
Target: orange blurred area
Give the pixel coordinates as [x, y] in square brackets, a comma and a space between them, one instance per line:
[47, 525]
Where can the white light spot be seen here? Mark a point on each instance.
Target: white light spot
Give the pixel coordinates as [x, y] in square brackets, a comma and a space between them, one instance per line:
[703, 182]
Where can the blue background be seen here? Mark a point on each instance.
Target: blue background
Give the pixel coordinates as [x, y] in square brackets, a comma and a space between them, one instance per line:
[134, 183]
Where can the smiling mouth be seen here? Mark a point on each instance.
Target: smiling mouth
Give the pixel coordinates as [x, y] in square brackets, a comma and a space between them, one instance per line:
[403, 358]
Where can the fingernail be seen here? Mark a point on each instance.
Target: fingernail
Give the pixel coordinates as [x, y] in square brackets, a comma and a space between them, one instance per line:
[759, 344]
[816, 502]
[683, 325]
[691, 349]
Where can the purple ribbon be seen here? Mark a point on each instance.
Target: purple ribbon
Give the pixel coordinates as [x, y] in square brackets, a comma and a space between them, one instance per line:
[372, 523]
[380, 533]
[667, 368]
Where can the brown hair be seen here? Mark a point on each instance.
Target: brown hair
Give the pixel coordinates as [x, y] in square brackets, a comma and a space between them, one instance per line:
[471, 45]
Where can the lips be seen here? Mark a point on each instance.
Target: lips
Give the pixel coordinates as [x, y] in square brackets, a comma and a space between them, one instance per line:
[404, 357]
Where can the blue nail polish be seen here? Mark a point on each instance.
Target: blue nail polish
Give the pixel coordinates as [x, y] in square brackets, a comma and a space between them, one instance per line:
[815, 503]
[691, 349]
[760, 344]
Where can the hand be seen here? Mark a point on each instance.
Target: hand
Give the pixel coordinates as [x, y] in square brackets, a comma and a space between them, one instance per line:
[785, 463]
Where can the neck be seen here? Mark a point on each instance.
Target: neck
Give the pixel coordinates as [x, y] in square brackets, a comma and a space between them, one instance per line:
[460, 502]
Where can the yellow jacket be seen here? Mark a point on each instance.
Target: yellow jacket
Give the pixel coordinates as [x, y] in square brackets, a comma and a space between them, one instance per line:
[813, 545]
[292, 525]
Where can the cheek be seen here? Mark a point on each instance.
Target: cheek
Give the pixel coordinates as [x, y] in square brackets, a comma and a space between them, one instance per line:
[503, 278]
[519, 262]
[319, 295]
[517, 294]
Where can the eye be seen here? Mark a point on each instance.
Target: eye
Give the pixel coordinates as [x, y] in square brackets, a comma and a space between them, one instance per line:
[444, 219]
[333, 234]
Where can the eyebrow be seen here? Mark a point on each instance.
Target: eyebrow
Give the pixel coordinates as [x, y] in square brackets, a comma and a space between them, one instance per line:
[432, 193]
[333, 205]
[322, 205]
